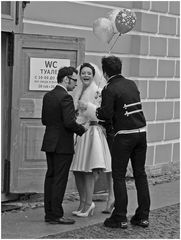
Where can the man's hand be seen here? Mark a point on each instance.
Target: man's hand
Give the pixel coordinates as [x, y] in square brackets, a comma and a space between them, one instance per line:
[82, 105]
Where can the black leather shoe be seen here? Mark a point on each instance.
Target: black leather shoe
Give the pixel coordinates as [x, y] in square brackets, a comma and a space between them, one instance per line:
[139, 222]
[112, 223]
[48, 219]
[61, 220]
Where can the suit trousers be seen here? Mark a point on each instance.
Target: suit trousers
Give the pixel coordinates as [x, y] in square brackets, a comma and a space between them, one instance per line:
[56, 178]
[131, 146]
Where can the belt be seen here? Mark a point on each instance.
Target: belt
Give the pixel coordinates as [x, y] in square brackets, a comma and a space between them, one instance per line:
[143, 129]
[92, 123]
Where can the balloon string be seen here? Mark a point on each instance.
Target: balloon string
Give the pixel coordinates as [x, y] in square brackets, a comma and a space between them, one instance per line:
[114, 43]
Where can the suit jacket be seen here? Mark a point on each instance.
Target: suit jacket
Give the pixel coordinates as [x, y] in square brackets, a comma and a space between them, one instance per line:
[121, 104]
[58, 115]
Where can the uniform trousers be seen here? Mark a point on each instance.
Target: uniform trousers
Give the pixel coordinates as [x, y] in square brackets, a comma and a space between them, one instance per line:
[131, 146]
[56, 178]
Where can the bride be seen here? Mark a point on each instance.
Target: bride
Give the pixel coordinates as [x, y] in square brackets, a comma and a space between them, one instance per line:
[92, 154]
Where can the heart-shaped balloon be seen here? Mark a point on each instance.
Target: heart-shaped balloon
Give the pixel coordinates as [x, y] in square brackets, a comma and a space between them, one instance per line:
[123, 20]
[103, 29]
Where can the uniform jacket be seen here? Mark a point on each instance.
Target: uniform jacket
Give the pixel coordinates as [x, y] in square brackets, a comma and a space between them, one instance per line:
[58, 115]
[121, 104]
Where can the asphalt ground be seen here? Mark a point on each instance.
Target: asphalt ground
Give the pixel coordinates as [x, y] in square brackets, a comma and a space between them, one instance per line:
[164, 224]
[27, 222]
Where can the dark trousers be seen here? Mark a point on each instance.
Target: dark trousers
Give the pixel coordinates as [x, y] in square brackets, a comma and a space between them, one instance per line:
[56, 178]
[130, 146]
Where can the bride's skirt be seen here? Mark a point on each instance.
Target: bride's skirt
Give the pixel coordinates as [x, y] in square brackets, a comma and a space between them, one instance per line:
[91, 151]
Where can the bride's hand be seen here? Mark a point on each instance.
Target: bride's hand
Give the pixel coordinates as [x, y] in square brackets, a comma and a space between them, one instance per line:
[103, 129]
[82, 105]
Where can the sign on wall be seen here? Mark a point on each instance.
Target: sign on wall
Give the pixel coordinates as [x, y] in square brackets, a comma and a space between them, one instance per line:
[43, 72]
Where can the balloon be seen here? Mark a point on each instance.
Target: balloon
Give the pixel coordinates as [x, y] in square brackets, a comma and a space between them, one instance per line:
[103, 29]
[112, 16]
[123, 20]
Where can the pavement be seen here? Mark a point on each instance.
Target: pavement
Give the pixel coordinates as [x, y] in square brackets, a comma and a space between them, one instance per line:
[29, 224]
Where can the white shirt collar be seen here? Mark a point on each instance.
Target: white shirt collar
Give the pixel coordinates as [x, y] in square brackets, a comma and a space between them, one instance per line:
[113, 76]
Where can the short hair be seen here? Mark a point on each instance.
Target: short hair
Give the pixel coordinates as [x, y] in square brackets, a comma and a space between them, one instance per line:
[89, 66]
[65, 71]
[111, 65]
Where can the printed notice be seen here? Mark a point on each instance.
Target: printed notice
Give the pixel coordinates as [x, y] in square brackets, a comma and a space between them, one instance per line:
[43, 72]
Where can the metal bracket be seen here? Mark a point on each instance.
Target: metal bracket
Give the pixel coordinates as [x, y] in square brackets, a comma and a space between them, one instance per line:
[6, 176]
[11, 49]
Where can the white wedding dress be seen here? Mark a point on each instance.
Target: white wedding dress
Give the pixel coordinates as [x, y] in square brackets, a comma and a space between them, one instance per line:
[91, 149]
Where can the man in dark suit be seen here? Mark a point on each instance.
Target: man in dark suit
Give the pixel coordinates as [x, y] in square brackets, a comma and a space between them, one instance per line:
[58, 115]
[121, 103]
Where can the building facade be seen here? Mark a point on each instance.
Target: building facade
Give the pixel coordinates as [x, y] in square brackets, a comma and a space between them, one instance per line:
[53, 32]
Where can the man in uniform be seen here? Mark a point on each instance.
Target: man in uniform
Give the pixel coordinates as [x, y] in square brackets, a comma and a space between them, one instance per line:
[121, 103]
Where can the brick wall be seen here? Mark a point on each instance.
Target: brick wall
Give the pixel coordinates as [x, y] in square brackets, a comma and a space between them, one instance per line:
[159, 79]
[150, 55]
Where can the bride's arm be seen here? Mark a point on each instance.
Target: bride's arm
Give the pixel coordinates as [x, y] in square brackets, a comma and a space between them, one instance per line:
[89, 108]
[91, 111]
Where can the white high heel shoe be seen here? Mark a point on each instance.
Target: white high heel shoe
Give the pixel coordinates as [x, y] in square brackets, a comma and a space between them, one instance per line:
[90, 211]
[76, 212]
[109, 208]
[79, 211]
